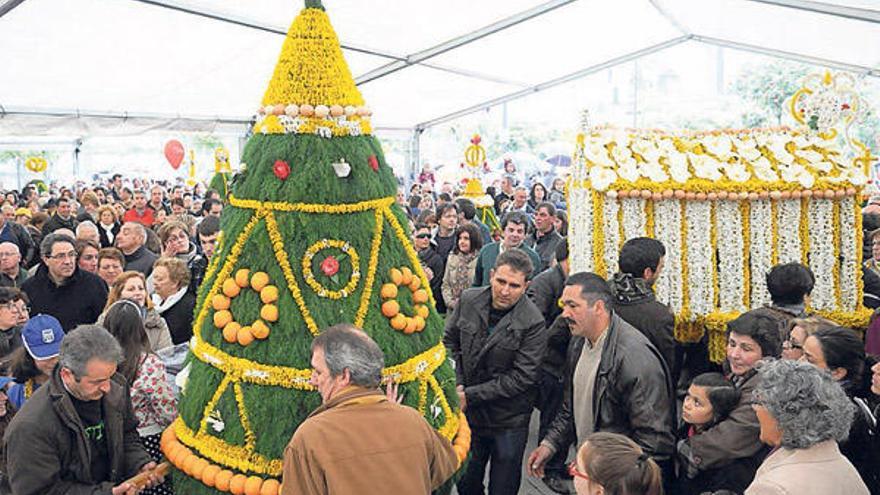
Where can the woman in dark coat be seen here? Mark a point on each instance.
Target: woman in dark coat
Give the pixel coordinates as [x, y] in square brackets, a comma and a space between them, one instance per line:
[172, 297]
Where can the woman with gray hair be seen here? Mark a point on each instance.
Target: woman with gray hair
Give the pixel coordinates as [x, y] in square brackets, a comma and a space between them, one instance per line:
[803, 414]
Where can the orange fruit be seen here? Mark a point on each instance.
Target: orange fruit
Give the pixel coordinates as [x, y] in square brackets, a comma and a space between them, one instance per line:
[222, 318]
[230, 288]
[259, 280]
[260, 329]
[245, 336]
[415, 284]
[269, 312]
[410, 326]
[389, 291]
[390, 308]
[252, 485]
[422, 311]
[420, 323]
[209, 475]
[270, 487]
[420, 296]
[220, 302]
[230, 332]
[407, 276]
[398, 322]
[242, 276]
[178, 456]
[396, 276]
[189, 463]
[222, 480]
[199, 468]
[269, 294]
[236, 485]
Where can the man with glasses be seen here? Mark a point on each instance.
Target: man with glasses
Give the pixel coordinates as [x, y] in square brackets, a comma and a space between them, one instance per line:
[432, 263]
[61, 289]
[11, 272]
[78, 433]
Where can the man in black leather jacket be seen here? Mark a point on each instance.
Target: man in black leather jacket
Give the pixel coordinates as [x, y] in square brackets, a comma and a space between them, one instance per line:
[497, 339]
[616, 380]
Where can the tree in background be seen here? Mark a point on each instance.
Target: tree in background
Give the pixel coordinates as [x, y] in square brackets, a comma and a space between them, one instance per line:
[311, 237]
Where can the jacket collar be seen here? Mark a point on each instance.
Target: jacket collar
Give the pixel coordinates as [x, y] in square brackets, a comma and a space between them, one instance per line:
[352, 395]
[137, 253]
[826, 451]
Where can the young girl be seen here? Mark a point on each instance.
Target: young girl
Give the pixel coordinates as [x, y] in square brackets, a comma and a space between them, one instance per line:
[710, 399]
[131, 286]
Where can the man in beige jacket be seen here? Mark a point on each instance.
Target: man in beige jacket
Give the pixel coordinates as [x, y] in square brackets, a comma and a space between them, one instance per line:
[358, 441]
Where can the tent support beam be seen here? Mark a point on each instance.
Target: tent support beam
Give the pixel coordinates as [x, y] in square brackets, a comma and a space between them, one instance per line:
[261, 26]
[459, 41]
[844, 11]
[669, 17]
[797, 57]
[251, 23]
[9, 5]
[555, 82]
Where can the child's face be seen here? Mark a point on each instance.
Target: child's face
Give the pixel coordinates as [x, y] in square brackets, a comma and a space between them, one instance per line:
[697, 410]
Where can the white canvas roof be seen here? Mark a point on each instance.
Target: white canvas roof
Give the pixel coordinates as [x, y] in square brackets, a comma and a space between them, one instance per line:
[102, 67]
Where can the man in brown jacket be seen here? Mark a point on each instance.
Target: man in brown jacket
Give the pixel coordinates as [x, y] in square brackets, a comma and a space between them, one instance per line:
[358, 441]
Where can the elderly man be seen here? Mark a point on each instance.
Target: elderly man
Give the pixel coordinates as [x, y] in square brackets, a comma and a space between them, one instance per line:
[62, 218]
[157, 200]
[130, 240]
[62, 289]
[12, 274]
[15, 233]
[497, 339]
[616, 380]
[78, 434]
[88, 231]
[358, 441]
[515, 226]
[139, 211]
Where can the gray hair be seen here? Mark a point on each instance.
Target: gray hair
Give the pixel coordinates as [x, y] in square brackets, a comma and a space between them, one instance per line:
[87, 342]
[51, 239]
[142, 231]
[348, 347]
[87, 224]
[809, 406]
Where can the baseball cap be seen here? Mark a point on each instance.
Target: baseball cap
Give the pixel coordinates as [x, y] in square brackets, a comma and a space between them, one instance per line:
[42, 336]
[23, 212]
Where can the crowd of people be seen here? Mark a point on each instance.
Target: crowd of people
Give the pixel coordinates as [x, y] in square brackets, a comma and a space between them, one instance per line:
[97, 291]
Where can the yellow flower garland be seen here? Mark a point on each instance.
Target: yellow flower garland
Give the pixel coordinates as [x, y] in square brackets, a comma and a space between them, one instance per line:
[713, 240]
[649, 218]
[774, 232]
[621, 234]
[309, 276]
[745, 211]
[804, 231]
[277, 242]
[254, 204]
[835, 223]
[361, 314]
[599, 234]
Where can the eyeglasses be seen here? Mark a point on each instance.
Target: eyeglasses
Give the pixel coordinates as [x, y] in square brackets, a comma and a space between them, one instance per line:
[790, 344]
[13, 307]
[573, 471]
[62, 256]
[423, 236]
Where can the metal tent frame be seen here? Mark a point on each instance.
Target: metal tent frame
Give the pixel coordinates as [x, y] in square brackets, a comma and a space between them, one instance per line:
[398, 62]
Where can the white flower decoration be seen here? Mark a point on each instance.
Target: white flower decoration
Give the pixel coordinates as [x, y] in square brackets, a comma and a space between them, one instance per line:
[602, 177]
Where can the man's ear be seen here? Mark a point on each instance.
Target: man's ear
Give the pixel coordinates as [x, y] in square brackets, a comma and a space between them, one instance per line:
[838, 374]
[648, 274]
[491, 273]
[345, 377]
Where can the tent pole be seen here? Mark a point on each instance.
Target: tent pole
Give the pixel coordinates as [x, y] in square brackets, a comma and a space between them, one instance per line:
[459, 41]
[9, 5]
[847, 12]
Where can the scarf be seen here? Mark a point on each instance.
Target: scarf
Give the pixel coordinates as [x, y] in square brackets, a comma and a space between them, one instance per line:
[630, 290]
[162, 306]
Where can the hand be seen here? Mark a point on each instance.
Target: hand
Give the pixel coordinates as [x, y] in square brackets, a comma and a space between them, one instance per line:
[168, 250]
[154, 479]
[391, 391]
[124, 489]
[537, 459]
[462, 398]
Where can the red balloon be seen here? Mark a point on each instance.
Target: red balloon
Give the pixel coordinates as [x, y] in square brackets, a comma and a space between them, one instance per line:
[174, 153]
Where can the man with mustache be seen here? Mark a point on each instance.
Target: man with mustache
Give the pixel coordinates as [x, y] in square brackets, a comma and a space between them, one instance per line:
[497, 339]
[615, 379]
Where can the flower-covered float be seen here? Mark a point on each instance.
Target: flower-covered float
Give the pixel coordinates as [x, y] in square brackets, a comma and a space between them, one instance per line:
[727, 205]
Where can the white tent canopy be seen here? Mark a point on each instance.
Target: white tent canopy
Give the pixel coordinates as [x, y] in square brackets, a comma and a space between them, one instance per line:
[121, 67]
